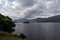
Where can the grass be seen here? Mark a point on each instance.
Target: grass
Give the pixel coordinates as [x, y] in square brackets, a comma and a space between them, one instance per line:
[9, 36]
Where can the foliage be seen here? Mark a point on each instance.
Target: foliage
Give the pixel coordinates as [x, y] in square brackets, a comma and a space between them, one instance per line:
[6, 24]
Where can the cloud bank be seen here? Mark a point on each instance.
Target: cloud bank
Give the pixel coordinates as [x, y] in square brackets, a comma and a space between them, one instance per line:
[30, 8]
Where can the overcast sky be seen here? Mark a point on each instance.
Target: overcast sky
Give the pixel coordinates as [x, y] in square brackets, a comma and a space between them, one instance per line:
[30, 8]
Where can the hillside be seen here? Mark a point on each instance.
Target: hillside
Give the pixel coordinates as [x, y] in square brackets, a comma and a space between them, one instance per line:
[50, 19]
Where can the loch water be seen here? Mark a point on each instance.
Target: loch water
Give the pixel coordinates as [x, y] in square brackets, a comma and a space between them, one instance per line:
[39, 31]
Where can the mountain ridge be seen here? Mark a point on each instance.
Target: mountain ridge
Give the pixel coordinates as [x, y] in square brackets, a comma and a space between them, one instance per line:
[50, 19]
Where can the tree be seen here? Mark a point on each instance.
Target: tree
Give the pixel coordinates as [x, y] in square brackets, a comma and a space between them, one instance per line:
[6, 24]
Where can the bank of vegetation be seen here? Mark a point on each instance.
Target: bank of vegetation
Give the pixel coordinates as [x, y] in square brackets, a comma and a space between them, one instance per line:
[6, 29]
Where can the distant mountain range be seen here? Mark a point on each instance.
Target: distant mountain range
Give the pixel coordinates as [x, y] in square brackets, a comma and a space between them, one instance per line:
[50, 19]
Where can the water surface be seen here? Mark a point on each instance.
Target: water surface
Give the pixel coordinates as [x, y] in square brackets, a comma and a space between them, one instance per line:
[39, 31]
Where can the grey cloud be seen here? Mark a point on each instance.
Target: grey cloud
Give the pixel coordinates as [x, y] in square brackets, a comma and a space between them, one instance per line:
[56, 8]
[26, 3]
[34, 12]
[32, 8]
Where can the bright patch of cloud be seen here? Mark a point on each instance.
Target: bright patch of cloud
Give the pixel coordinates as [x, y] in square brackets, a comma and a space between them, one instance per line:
[48, 4]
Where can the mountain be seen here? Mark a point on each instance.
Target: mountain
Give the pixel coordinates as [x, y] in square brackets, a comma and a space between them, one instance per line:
[50, 19]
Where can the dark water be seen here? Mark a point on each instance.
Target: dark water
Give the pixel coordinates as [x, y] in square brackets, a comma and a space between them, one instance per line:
[39, 31]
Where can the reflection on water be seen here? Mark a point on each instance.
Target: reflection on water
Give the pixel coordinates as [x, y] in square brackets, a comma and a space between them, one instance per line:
[39, 31]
